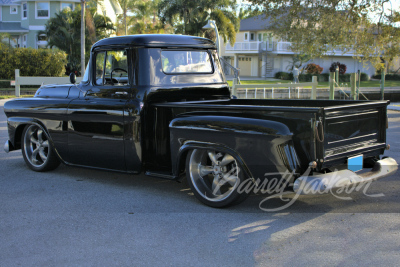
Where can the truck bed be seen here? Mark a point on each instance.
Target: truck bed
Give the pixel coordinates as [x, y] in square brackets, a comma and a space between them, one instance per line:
[325, 131]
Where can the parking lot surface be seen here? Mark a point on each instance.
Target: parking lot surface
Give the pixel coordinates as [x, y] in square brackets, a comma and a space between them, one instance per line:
[76, 216]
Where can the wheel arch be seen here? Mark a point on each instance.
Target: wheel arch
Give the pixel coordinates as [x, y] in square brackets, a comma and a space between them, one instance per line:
[16, 128]
[192, 144]
[258, 145]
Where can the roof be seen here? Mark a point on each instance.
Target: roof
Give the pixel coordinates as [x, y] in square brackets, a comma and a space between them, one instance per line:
[6, 2]
[257, 23]
[12, 27]
[157, 40]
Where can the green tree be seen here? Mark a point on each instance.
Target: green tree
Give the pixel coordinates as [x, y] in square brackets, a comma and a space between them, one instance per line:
[127, 6]
[316, 27]
[145, 18]
[63, 32]
[189, 17]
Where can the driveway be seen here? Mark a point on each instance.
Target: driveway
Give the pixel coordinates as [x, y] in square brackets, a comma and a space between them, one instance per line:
[75, 216]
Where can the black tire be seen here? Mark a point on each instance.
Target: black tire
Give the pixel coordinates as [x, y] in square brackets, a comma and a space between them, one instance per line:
[37, 149]
[214, 178]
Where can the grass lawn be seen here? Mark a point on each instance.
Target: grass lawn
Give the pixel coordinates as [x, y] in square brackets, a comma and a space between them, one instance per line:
[324, 84]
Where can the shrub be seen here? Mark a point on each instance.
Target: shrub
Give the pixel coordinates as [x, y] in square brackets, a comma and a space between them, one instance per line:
[388, 77]
[324, 77]
[31, 62]
[284, 75]
[364, 77]
[312, 68]
[306, 77]
[342, 67]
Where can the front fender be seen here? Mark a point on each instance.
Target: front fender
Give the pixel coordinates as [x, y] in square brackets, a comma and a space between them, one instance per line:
[16, 127]
[263, 146]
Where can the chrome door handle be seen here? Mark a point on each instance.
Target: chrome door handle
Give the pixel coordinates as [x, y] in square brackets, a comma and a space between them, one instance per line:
[121, 93]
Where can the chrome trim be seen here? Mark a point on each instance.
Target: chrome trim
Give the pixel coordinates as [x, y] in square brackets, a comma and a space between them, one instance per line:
[7, 146]
[323, 183]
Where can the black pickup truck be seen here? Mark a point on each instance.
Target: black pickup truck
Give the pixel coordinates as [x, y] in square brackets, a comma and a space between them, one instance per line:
[160, 104]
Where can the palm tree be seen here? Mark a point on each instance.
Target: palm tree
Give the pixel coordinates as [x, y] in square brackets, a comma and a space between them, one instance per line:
[189, 17]
[63, 32]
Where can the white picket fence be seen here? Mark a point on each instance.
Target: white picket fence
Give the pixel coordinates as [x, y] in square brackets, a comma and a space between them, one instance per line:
[264, 90]
[28, 80]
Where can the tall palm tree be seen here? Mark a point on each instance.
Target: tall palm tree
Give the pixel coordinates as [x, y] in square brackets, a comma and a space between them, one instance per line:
[63, 32]
[189, 17]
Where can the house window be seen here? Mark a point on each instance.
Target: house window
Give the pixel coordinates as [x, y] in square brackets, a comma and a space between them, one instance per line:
[24, 41]
[252, 37]
[69, 6]
[41, 41]
[42, 10]
[24, 10]
[42, 37]
[13, 9]
[246, 36]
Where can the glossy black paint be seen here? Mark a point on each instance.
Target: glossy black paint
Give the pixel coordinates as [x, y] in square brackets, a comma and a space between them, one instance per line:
[151, 123]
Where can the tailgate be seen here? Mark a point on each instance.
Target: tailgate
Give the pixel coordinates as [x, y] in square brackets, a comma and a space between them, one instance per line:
[351, 130]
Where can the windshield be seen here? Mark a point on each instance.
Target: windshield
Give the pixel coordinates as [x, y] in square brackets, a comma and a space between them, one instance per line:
[85, 78]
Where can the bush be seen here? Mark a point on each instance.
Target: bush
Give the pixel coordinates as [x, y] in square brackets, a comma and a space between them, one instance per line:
[388, 77]
[284, 75]
[312, 68]
[306, 77]
[364, 77]
[31, 62]
[324, 77]
[342, 67]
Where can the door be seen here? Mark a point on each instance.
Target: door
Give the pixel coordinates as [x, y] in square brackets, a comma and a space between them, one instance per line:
[96, 119]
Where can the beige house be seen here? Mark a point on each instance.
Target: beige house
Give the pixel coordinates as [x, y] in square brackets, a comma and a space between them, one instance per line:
[258, 53]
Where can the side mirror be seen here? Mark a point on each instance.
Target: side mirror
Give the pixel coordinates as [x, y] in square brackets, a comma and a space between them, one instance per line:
[72, 78]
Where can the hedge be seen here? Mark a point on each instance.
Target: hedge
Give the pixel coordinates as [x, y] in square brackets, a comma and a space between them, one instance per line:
[324, 77]
[388, 77]
[31, 62]
[283, 75]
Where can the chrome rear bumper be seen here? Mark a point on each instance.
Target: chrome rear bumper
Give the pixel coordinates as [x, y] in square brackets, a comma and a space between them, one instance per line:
[324, 183]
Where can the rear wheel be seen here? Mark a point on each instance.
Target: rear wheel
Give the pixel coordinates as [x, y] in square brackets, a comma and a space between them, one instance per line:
[37, 150]
[214, 177]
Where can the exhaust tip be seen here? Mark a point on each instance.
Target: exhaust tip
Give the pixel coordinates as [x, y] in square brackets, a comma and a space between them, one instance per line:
[313, 164]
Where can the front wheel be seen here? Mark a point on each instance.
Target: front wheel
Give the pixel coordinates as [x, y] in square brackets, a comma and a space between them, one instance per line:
[37, 150]
[214, 177]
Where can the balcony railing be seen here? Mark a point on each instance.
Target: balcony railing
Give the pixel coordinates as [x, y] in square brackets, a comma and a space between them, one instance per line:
[250, 47]
[279, 47]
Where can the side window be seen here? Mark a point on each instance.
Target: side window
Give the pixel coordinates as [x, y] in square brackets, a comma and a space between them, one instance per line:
[112, 68]
[100, 67]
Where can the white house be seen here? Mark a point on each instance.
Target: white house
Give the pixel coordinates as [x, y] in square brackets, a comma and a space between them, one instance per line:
[258, 53]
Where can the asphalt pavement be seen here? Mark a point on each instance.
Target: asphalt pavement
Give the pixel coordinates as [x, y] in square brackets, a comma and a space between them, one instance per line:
[81, 217]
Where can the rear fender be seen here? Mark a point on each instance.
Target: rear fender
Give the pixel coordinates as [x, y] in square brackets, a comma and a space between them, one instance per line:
[191, 145]
[256, 144]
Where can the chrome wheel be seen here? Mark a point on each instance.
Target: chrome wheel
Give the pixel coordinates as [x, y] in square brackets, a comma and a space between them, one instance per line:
[214, 175]
[36, 146]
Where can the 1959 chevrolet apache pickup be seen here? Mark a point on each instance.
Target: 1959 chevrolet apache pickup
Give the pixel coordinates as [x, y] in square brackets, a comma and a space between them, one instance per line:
[160, 104]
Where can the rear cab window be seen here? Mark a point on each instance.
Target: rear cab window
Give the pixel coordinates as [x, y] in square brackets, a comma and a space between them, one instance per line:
[185, 62]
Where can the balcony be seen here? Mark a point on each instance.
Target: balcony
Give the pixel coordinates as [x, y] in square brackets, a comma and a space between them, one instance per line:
[249, 47]
[274, 47]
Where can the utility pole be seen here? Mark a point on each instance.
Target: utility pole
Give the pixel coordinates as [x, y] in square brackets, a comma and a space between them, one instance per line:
[83, 4]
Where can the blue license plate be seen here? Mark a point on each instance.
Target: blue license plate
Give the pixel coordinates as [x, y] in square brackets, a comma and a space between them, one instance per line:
[355, 163]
